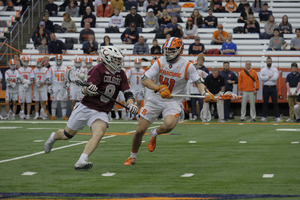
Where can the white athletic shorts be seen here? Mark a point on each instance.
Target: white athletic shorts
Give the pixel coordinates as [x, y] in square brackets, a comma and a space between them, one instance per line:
[25, 96]
[82, 116]
[75, 94]
[138, 94]
[11, 96]
[152, 109]
[40, 93]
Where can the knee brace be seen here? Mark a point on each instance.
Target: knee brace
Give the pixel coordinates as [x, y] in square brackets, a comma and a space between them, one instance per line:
[54, 104]
[63, 104]
[67, 134]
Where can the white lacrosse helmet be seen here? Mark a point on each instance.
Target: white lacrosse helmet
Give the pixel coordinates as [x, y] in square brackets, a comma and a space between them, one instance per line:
[77, 62]
[58, 59]
[39, 62]
[137, 63]
[25, 61]
[89, 63]
[12, 64]
[112, 56]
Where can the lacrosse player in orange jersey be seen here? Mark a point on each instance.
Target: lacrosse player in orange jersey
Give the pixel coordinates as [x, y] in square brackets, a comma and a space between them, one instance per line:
[171, 73]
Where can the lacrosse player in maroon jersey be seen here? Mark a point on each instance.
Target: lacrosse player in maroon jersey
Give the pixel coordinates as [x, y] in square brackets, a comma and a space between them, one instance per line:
[108, 78]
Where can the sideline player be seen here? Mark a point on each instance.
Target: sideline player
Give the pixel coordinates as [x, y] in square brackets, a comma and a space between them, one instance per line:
[1, 77]
[171, 74]
[134, 76]
[94, 108]
[11, 89]
[25, 91]
[58, 78]
[75, 90]
[40, 74]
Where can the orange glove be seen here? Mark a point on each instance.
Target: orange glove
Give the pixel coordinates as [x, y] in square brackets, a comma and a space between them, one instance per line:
[208, 96]
[164, 91]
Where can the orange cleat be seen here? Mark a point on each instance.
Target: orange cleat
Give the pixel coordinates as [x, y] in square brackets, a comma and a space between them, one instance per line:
[52, 118]
[65, 118]
[152, 144]
[130, 161]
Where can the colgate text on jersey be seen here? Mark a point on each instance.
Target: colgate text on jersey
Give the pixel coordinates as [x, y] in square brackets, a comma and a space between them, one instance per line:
[111, 79]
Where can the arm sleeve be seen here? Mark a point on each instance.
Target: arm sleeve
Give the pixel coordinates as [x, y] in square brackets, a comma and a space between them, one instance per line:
[256, 81]
[153, 71]
[275, 76]
[122, 23]
[240, 82]
[235, 78]
[134, 49]
[95, 76]
[193, 76]
[261, 77]
[147, 49]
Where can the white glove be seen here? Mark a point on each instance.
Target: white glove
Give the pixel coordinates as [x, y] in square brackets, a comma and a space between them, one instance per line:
[49, 89]
[26, 82]
[234, 96]
[12, 85]
[90, 90]
[220, 94]
[133, 108]
[26, 86]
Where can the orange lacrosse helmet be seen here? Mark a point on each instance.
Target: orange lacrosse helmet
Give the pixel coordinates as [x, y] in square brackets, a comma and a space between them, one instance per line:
[173, 48]
[39, 62]
[25, 61]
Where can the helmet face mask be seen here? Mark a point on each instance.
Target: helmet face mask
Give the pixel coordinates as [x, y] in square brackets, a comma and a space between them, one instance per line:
[89, 63]
[112, 57]
[25, 61]
[58, 60]
[39, 63]
[12, 64]
[173, 48]
[77, 62]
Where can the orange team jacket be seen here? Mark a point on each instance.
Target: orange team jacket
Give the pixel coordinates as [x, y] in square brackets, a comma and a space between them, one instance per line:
[216, 35]
[246, 84]
[107, 13]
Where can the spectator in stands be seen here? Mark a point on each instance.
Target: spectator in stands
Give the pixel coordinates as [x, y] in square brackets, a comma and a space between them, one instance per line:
[201, 5]
[116, 20]
[285, 27]
[197, 47]
[219, 36]
[51, 8]
[215, 83]
[269, 76]
[216, 6]
[230, 6]
[119, 4]
[155, 49]
[245, 14]
[174, 9]
[200, 62]
[269, 28]
[174, 28]
[68, 23]
[210, 21]
[43, 47]
[293, 88]
[151, 20]
[88, 17]
[248, 85]
[277, 42]
[130, 35]
[257, 6]
[56, 46]
[90, 46]
[36, 32]
[135, 18]
[190, 30]
[106, 41]
[97, 3]
[83, 5]
[197, 18]
[72, 9]
[65, 4]
[295, 42]
[129, 4]
[156, 8]
[264, 14]
[104, 10]
[39, 37]
[17, 59]
[228, 47]
[251, 26]
[141, 47]
[168, 35]
[230, 79]
[164, 19]
[241, 6]
[22, 3]
[48, 23]
[84, 33]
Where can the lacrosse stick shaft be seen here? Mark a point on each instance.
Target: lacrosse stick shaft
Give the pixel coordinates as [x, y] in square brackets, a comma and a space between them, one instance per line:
[101, 93]
[222, 97]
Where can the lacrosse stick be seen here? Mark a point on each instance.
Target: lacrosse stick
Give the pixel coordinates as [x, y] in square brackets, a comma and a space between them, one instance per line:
[62, 95]
[221, 97]
[74, 76]
[79, 80]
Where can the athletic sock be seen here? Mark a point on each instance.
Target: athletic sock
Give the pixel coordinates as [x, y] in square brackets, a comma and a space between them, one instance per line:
[117, 114]
[36, 114]
[64, 112]
[153, 133]
[133, 155]
[53, 111]
[190, 115]
[83, 157]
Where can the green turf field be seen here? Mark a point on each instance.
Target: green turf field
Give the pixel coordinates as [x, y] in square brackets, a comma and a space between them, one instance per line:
[220, 164]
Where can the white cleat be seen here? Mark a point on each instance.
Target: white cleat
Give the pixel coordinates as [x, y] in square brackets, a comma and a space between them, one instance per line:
[36, 117]
[263, 119]
[22, 115]
[43, 114]
[49, 143]
[278, 119]
[83, 165]
[27, 117]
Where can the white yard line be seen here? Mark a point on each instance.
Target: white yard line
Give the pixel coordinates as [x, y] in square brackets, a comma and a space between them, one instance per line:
[54, 149]
[65, 122]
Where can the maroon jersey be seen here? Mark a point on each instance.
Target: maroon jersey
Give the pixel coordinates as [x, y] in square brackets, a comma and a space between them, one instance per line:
[109, 84]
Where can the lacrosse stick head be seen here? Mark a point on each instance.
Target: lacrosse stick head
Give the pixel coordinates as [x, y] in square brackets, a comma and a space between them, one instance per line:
[62, 95]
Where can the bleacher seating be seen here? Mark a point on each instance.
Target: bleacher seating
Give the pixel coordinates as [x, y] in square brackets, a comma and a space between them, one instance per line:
[247, 44]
